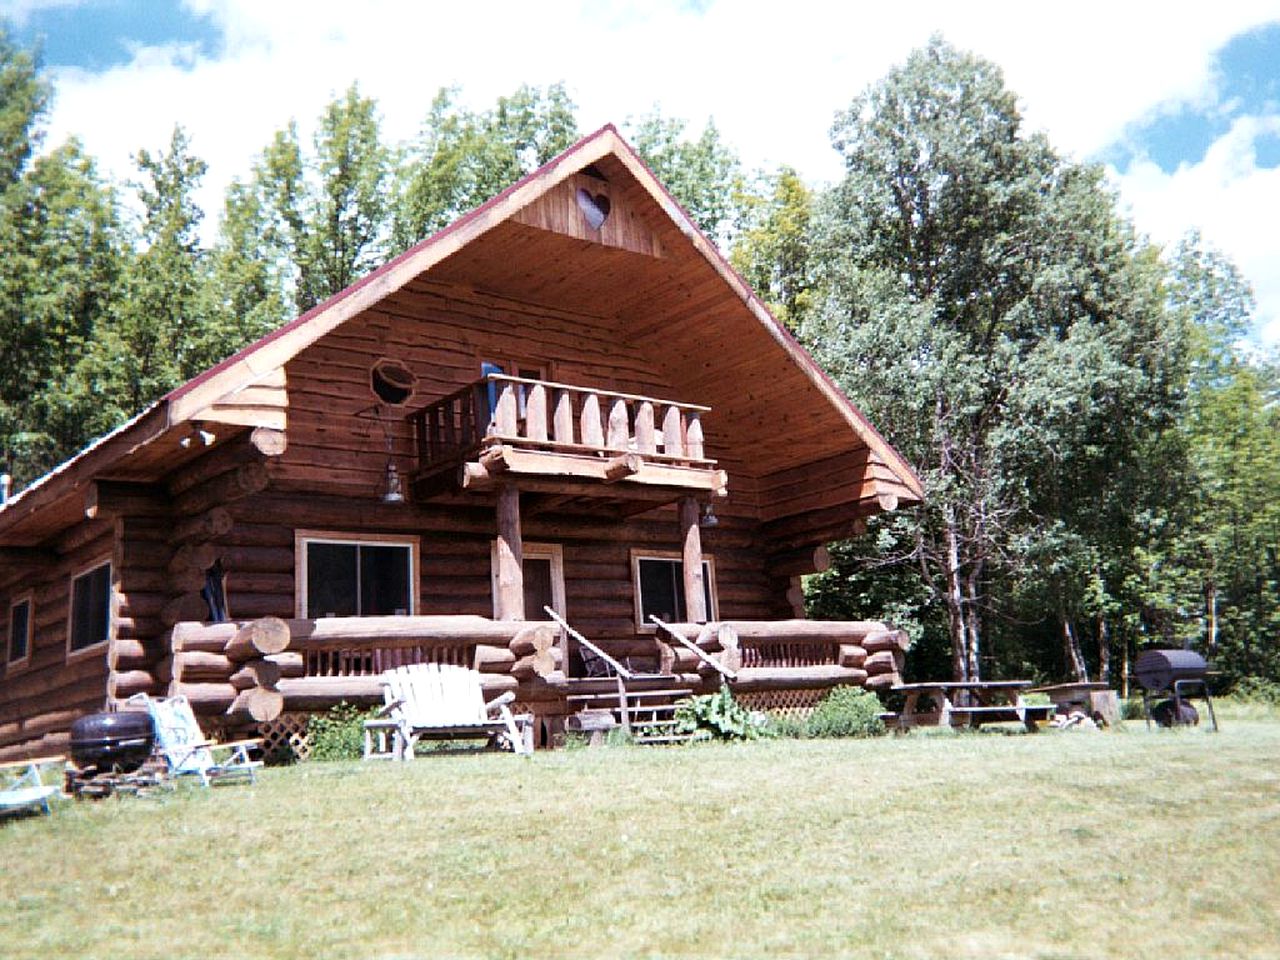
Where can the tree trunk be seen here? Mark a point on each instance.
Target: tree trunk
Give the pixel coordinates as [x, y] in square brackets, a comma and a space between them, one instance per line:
[973, 627]
[1104, 649]
[955, 603]
[1071, 651]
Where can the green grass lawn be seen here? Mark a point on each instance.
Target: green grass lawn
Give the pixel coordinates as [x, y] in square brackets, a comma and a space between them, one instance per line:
[1127, 844]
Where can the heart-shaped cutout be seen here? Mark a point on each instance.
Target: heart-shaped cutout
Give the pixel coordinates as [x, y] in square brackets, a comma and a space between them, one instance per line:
[595, 208]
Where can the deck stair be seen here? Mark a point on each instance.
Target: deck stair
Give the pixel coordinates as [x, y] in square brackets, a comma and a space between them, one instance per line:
[650, 714]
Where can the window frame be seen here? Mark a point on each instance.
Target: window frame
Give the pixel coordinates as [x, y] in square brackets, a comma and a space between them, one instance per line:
[20, 663]
[541, 551]
[709, 572]
[301, 538]
[76, 653]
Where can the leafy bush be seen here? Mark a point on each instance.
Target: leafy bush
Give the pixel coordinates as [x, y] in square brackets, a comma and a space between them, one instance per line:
[1257, 690]
[846, 712]
[787, 726]
[717, 716]
[337, 734]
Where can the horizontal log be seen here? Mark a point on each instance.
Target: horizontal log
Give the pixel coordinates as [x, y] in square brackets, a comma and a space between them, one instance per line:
[884, 661]
[114, 498]
[256, 673]
[259, 638]
[201, 636]
[199, 666]
[124, 684]
[321, 693]
[888, 640]
[192, 556]
[129, 654]
[255, 705]
[533, 639]
[223, 489]
[542, 664]
[269, 442]
[205, 698]
[188, 607]
[794, 563]
[388, 632]
[204, 526]
[291, 663]
[490, 658]
[851, 655]
[882, 682]
[754, 679]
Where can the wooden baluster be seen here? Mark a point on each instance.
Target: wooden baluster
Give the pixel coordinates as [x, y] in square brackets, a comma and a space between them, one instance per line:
[645, 440]
[506, 416]
[479, 413]
[693, 436]
[592, 431]
[431, 449]
[535, 413]
[451, 424]
[563, 417]
[618, 433]
[672, 435]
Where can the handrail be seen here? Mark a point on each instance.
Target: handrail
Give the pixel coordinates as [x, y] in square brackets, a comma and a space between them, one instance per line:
[706, 657]
[621, 670]
[578, 388]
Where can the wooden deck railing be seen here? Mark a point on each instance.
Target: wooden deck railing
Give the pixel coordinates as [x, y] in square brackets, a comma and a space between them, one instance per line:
[559, 417]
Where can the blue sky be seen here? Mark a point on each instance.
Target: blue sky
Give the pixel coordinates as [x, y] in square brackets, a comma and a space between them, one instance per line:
[1183, 108]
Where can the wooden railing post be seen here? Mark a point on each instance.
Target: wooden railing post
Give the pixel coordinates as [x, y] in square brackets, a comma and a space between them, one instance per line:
[535, 413]
[506, 416]
[592, 431]
[645, 441]
[693, 436]
[672, 435]
[695, 600]
[510, 548]
[563, 416]
[618, 427]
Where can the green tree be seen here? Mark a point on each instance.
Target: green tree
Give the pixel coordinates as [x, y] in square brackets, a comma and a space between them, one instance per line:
[61, 243]
[147, 345]
[704, 174]
[462, 158]
[984, 303]
[772, 251]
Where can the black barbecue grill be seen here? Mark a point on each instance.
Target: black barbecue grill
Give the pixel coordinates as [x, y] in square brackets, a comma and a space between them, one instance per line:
[1178, 674]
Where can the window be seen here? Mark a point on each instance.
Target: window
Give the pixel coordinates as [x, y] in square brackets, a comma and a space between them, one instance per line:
[20, 629]
[659, 588]
[90, 608]
[347, 577]
[543, 567]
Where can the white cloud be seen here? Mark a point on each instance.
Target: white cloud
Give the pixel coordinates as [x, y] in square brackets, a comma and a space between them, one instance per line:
[1229, 198]
[773, 75]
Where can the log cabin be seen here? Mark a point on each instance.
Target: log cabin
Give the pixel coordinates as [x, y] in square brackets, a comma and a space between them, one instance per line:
[566, 401]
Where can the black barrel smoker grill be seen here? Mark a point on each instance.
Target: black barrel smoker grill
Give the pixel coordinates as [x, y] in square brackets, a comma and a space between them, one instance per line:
[1179, 674]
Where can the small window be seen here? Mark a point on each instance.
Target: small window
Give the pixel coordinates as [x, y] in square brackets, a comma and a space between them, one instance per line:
[356, 578]
[20, 628]
[392, 382]
[90, 608]
[659, 588]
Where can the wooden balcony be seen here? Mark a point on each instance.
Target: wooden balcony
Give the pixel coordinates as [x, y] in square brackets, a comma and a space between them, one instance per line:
[560, 439]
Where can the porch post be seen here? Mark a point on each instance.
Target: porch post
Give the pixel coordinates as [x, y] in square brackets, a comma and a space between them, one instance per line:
[695, 602]
[510, 598]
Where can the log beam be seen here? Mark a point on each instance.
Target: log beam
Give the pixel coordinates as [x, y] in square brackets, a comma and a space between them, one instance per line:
[510, 548]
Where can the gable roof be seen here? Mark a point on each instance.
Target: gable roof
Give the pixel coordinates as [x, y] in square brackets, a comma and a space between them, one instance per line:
[248, 388]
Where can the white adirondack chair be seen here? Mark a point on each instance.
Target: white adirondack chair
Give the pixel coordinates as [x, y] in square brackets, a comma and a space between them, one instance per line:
[440, 702]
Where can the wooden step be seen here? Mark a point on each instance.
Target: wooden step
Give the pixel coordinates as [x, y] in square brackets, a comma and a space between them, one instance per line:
[631, 695]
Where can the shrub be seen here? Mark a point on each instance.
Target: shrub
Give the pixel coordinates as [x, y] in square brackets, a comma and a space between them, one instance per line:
[717, 716]
[846, 712]
[1257, 690]
[337, 734]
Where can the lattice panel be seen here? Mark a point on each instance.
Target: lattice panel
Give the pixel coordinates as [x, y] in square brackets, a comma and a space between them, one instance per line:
[796, 704]
[285, 738]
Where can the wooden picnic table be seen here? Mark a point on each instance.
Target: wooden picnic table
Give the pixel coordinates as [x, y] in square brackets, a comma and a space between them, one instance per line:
[968, 703]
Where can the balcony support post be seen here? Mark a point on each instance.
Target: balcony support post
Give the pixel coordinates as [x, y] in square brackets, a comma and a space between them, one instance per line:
[695, 598]
[510, 586]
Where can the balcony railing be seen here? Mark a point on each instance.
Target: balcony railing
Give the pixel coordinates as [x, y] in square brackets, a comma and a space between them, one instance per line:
[556, 417]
